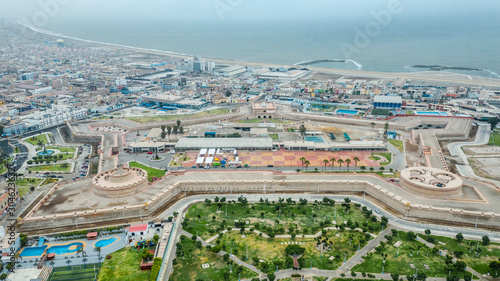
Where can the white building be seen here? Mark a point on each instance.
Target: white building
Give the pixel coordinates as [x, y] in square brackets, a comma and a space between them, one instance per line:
[231, 71]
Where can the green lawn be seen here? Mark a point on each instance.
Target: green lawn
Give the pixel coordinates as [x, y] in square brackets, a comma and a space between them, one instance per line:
[16, 150]
[387, 155]
[160, 118]
[495, 138]
[123, 265]
[402, 264]
[34, 139]
[66, 152]
[50, 168]
[479, 263]
[398, 144]
[306, 218]
[28, 181]
[84, 274]
[272, 250]
[152, 172]
[274, 137]
[189, 258]
[23, 191]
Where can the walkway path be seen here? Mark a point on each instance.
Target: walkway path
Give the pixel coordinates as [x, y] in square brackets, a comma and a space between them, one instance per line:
[346, 267]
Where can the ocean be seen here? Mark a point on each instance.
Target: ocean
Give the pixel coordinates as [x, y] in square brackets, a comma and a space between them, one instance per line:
[398, 46]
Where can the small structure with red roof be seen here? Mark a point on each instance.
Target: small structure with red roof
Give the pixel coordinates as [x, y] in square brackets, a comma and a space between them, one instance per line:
[92, 236]
[136, 231]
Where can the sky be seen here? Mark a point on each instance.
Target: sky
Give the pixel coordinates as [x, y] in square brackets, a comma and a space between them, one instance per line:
[228, 11]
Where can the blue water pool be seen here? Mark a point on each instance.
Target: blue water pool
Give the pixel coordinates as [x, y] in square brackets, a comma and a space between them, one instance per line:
[33, 251]
[105, 242]
[433, 113]
[347, 111]
[45, 153]
[64, 249]
[315, 139]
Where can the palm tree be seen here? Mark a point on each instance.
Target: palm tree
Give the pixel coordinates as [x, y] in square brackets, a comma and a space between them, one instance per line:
[84, 264]
[302, 159]
[17, 256]
[52, 263]
[98, 250]
[333, 160]
[363, 168]
[326, 162]
[373, 125]
[178, 122]
[382, 169]
[181, 130]
[68, 262]
[169, 130]
[340, 161]
[302, 130]
[163, 128]
[356, 159]
[307, 164]
[347, 162]
[79, 250]
[386, 128]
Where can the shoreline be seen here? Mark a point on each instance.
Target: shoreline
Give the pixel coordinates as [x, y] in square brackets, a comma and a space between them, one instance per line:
[427, 76]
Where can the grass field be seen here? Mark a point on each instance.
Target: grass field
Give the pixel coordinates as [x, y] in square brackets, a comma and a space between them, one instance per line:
[272, 250]
[305, 218]
[160, 118]
[495, 138]
[387, 155]
[34, 139]
[50, 168]
[152, 172]
[398, 144]
[28, 181]
[188, 261]
[417, 254]
[66, 152]
[274, 137]
[84, 274]
[479, 263]
[124, 265]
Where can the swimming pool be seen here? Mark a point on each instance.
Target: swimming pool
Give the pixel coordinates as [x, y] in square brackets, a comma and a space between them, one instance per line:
[315, 139]
[65, 249]
[347, 111]
[433, 113]
[105, 242]
[32, 251]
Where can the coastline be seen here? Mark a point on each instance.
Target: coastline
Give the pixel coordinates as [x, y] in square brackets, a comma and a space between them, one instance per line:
[428, 76]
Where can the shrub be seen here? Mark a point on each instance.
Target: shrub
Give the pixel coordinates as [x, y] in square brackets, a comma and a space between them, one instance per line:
[155, 270]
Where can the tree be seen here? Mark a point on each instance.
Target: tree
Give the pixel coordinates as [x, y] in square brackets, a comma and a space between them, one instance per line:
[410, 278]
[333, 160]
[356, 159]
[453, 277]
[363, 168]
[228, 93]
[169, 130]
[486, 240]
[84, 262]
[174, 130]
[493, 121]
[347, 163]
[460, 237]
[68, 262]
[307, 163]
[386, 128]
[373, 125]
[271, 276]
[427, 232]
[395, 276]
[208, 201]
[302, 159]
[340, 161]
[181, 130]
[495, 266]
[411, 235]
[302, 130]
[421, 276]
[4, 275]
[163, 128]
[178, 122]
[326, 162]
[98, 250]
[163, 135]
[294, 250]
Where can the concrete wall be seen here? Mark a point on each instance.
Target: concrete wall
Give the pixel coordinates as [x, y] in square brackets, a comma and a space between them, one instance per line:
[170, 194]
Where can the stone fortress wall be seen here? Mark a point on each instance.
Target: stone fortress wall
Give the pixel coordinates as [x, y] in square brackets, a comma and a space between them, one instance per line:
[399, 206]
[127, 182]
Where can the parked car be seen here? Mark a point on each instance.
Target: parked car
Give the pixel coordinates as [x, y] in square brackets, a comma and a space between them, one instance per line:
[59, 177]
[150, 152]
[270, 166]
